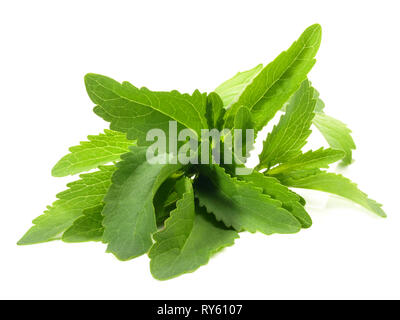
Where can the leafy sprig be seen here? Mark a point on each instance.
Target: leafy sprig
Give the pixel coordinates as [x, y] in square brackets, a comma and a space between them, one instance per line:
[182, 214]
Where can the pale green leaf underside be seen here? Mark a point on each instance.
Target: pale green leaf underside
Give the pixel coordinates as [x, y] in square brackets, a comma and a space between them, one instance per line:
[129, 217]
[290, 200]
[274, 85]
[85, 193]
[320, 158]
[241, 205]
[336, 133]
[320, 105]
[88, 227]
[188, 240]
[98, 150]
[289, 136]
[335, 184]
[231, 89]
[136, 111]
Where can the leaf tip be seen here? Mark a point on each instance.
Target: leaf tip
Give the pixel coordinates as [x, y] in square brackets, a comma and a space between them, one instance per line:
[314, 29]
[313, 35]
[316, 26]
[89, 76]
[57, 171]
[20, 242]
[24, 241]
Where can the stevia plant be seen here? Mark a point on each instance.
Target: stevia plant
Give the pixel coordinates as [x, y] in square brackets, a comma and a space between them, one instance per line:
[181, 214]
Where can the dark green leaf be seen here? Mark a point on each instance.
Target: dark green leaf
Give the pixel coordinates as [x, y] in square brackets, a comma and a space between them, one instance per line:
[290, 200]
[129, 217]
[136, 111]
[241, 205]
[190, 237]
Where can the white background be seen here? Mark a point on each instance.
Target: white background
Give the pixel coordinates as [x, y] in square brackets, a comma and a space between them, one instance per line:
[46, 47]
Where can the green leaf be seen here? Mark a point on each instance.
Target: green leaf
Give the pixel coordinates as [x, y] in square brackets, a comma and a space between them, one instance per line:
[242, 205]
[320, 158]
[129, 217]
[164, 200]
[243, 121]
[99, 150]
[86, 228]
[336, 134]
[136, 111]
[335, 184]
[290, 135]
[82, 194]
[274, 85]
[290, 200]
[189, 239]
[215, 111]
[164, 212]
[230, 90]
